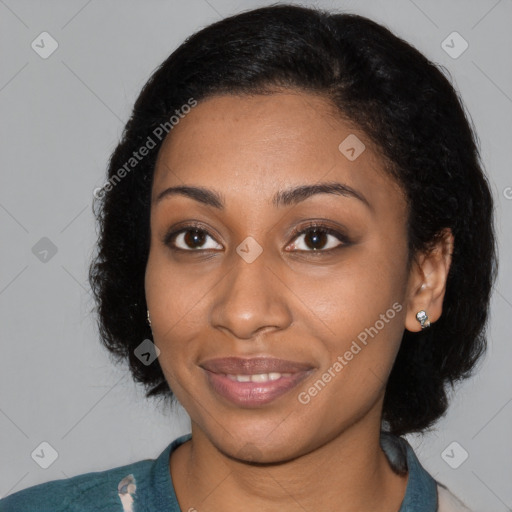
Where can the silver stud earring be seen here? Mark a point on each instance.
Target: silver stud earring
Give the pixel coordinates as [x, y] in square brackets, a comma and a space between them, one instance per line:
[422, 318]
[149, 320]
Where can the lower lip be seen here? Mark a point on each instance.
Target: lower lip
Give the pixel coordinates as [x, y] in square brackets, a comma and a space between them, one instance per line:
[253, 394]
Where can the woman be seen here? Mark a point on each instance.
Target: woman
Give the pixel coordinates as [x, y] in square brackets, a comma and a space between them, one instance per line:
[297, 240]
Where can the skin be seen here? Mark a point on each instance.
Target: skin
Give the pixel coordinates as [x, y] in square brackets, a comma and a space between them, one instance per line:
[288, 303]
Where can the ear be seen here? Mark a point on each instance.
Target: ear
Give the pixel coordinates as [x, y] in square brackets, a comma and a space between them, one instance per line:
[427, 281]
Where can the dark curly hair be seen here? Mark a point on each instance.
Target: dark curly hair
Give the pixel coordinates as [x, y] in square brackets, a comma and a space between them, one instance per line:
[383, 86]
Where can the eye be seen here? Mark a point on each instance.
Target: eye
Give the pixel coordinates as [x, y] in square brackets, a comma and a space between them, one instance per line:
[314, 238]
[190, 238]
[319, 238]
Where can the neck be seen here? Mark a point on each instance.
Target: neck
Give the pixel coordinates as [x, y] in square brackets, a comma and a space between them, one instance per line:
[349, 472]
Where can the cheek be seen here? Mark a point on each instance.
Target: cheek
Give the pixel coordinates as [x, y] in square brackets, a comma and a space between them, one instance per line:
[178, 304]
[172, 293]
[362, 322]
[354, 294]
[353, 378]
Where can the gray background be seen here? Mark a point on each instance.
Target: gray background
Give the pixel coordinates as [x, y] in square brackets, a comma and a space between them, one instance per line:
[61, 118]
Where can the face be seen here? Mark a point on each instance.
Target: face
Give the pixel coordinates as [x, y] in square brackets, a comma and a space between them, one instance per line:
[278, 314]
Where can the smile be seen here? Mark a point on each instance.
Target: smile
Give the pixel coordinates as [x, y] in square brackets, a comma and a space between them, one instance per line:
[255, 382]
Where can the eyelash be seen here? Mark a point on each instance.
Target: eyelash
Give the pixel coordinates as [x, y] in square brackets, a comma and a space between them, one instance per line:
[345, 241]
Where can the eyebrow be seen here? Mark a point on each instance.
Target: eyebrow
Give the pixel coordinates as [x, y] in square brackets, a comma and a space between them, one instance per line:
[282, 198]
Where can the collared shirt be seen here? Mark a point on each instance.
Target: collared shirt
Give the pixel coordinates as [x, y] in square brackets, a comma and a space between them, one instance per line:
[146, 486]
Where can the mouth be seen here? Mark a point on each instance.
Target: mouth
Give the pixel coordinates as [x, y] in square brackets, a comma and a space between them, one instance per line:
[255, 382]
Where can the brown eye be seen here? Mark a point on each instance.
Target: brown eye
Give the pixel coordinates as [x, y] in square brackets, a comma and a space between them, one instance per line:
[316, 239]
[191, 239]
[319, 239]
[194, 238]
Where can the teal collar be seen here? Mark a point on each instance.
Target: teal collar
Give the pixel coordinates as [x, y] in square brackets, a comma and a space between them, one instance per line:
[421, 492]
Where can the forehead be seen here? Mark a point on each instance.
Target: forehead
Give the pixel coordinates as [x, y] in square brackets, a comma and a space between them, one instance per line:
[249, 147]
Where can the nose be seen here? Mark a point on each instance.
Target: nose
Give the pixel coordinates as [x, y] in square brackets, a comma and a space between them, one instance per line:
[251, 299]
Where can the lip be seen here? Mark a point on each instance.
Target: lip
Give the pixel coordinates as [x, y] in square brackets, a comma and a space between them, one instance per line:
[253, 394]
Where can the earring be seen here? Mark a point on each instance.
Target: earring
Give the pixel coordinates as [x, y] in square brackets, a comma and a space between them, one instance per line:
[149, 320]
[422, 318]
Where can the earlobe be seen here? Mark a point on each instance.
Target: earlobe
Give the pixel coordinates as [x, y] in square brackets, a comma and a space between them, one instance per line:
[427, 283]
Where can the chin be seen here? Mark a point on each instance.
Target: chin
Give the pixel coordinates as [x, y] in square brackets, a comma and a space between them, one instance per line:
[263, 444]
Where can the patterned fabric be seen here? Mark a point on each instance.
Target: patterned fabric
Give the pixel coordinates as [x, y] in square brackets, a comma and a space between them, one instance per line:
[146, 486]
[126, 489]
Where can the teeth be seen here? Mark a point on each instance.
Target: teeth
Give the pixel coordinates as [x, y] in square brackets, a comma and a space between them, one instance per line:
[262, 377]
[258, 377]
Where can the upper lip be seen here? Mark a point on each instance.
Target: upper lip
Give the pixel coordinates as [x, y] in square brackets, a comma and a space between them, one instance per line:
[256, 365]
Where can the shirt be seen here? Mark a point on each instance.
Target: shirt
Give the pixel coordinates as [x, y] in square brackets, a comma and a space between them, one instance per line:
[146, 486]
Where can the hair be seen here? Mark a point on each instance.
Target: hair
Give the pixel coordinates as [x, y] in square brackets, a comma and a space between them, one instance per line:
[407, 108]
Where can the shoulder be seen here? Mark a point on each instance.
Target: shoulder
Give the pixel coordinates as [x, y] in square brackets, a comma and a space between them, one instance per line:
[99, 491]
[448, 502]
